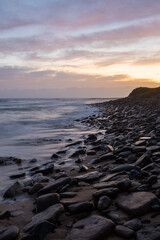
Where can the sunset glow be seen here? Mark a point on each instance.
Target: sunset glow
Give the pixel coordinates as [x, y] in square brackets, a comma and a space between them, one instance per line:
[68, 44]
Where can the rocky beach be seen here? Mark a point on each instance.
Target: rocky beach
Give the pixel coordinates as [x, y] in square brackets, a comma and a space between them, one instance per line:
[110, 192]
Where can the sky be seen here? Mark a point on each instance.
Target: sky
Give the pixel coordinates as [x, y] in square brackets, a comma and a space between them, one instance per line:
[78, 48]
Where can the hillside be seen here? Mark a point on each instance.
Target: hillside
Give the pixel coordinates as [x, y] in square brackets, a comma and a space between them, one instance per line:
[144, 93]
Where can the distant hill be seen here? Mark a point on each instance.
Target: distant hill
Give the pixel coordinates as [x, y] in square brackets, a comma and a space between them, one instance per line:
[145, 93]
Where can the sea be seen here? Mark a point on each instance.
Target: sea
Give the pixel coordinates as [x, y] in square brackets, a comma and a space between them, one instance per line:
[37, 128]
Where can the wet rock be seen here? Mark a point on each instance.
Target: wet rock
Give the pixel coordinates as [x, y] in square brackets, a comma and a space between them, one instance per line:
[35, 188]
[54, 156]
[105, 157]
[153, 148]
[117, 216]
[5, 214]
[15, 190]
[103, 203]
[40, 231]
[109, 192]
[111, 176]
[88, 177]
[68, 194]
[148, 233]
[46, 169]
[124, 232]
[9, 233]
[91, 228]
[51, 214]
[91, 137]
[45, 201]
[78, 152]
[143, 160]
[19, 175]
[38, 178]
[137, 203]
[134, 224]
[54, 186]
[80, 207]
[124, 185]
[124, 167]
[83, 168]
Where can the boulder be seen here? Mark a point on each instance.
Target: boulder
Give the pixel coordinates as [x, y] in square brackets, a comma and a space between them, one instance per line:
[134, 224]
[91, 228]
[88, 177]
[124, 232]
[103, 203]
[137, 203]
[9, 233]
[50, 214]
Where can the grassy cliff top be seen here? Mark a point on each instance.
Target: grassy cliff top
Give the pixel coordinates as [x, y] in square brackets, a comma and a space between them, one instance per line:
[144, 93]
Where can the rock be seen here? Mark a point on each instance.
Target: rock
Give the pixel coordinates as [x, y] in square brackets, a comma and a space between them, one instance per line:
[88, 177]
[54, 186]
[46, 168]
[123, 167]
[54, 155]
[51, 214]
[9, 233]
[45, 201]
[124, 184]
[102, 158]
[143, 160]
[38, 178]
[140, 143]
[5, 214]
[91, 228]
[19, 175]
[40, 231]
[14, 190]
[35, 188]
[124, 232]
[103, 203]
[80, 207]
[134, 224]
[68, 194]
[91, 137]
[148, 233]
[78, 152]
[153, 148]
[83, 168]
[137, 203]
[109, 192]
[110, 176]
[117, 216]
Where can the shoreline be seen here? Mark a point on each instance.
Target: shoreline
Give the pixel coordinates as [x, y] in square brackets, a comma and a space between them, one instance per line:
[116, 178]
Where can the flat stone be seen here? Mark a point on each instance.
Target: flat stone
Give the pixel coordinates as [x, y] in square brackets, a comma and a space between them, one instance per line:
[91, 228]
[35, 188]
[137, 203]
[124, 232]
[54, 186]
[148, 233]
[51, 214]
[153, 148]
[110, 176]
[9, 233]
[105, 157]
[88, 177]
[47, 200]
[18, 175]
[80, 207]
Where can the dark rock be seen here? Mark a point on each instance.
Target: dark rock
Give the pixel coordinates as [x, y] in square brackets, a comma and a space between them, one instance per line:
[134, 224]
[80, 207]
[91, 228]
[153, 148]
[111, 176]
[54, 156]
[124, 185]
[5, 214]
[45, 201]
[54, 186]
[40, 231]
[35, 188]
[38, 178]
[88, 177]
[102, 158]
[137, 203]
[143, 160]
[91, 137]
[19, 175]
[68, 194]
[50, 214]
[83, 168]
[78, 152]
[9, 233]
[148, 233]
[124, 232]
[109, 192]
[103, 203]
[123, 167]
[14, 190]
